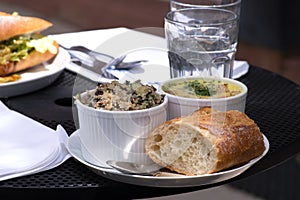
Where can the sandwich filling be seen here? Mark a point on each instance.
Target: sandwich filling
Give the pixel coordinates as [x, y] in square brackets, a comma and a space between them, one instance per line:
[19, 47]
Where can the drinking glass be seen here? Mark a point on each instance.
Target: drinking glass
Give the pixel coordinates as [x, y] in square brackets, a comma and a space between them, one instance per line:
[201, 42]
[231, 5]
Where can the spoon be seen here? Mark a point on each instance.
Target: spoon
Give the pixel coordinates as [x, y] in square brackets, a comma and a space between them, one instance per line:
[134, 168]
[140, 169]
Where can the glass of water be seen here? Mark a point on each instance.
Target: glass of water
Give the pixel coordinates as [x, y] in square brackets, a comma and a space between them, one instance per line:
[201, 42]
[231, 5]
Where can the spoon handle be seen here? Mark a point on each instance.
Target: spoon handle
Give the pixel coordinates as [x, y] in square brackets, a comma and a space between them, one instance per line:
[140, 169]
[167, 174]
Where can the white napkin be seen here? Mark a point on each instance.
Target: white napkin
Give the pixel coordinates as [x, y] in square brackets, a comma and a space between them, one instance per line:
[117, 41]
[28, 147]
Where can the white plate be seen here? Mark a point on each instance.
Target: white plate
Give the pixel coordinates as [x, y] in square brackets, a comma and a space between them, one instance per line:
[74, 147]
[37, 77]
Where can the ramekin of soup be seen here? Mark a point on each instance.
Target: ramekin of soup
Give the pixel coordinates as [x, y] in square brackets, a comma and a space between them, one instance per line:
[187, 94]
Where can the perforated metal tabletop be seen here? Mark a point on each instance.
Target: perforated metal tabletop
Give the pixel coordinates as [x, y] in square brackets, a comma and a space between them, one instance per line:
[273, 102]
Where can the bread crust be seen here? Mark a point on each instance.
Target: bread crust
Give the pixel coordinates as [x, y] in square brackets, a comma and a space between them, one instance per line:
[4, 14]
[239, 138]
[33, 59]
[233, 137]
[11, 25]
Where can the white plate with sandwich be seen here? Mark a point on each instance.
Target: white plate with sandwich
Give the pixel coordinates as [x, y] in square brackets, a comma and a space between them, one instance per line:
[28, 60]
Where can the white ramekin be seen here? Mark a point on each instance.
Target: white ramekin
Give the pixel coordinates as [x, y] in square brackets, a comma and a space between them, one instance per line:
[182, 106]
[117, 135]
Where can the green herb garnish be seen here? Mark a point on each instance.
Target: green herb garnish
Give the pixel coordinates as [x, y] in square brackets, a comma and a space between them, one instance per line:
[198, 88]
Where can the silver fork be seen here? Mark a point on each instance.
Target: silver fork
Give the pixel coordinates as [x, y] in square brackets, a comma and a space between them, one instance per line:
[93, 61]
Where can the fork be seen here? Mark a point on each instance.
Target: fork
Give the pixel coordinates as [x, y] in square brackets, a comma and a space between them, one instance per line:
[116, 63]
[94, 60]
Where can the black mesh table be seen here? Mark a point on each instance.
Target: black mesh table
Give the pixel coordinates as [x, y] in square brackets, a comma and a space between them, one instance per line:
[272, 101]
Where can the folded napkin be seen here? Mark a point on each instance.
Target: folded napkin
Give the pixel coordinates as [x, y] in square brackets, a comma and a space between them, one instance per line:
[28, 147]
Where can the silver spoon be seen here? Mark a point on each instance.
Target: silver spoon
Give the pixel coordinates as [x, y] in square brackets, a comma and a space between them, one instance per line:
[140, 169]
[134, 168]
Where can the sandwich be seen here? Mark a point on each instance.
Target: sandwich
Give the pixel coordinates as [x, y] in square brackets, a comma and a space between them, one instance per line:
[22, 45]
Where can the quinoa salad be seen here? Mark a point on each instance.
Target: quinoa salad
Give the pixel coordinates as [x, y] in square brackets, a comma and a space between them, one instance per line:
[116, 96]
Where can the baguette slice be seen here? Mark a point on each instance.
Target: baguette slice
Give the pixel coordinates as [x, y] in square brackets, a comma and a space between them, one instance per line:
[205, 142]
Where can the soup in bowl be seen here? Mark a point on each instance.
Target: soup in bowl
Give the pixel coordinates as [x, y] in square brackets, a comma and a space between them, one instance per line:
[187, 94]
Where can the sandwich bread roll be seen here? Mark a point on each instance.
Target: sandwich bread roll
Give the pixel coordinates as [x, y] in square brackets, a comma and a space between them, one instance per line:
[21, 44]
[205, 142]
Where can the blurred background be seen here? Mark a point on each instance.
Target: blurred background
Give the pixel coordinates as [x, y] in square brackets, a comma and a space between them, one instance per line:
[268, 38]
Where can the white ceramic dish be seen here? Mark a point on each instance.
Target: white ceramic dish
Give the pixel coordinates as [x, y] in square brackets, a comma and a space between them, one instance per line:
[37, 77]
[74, 147]
[117, 135]
[181, 106]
